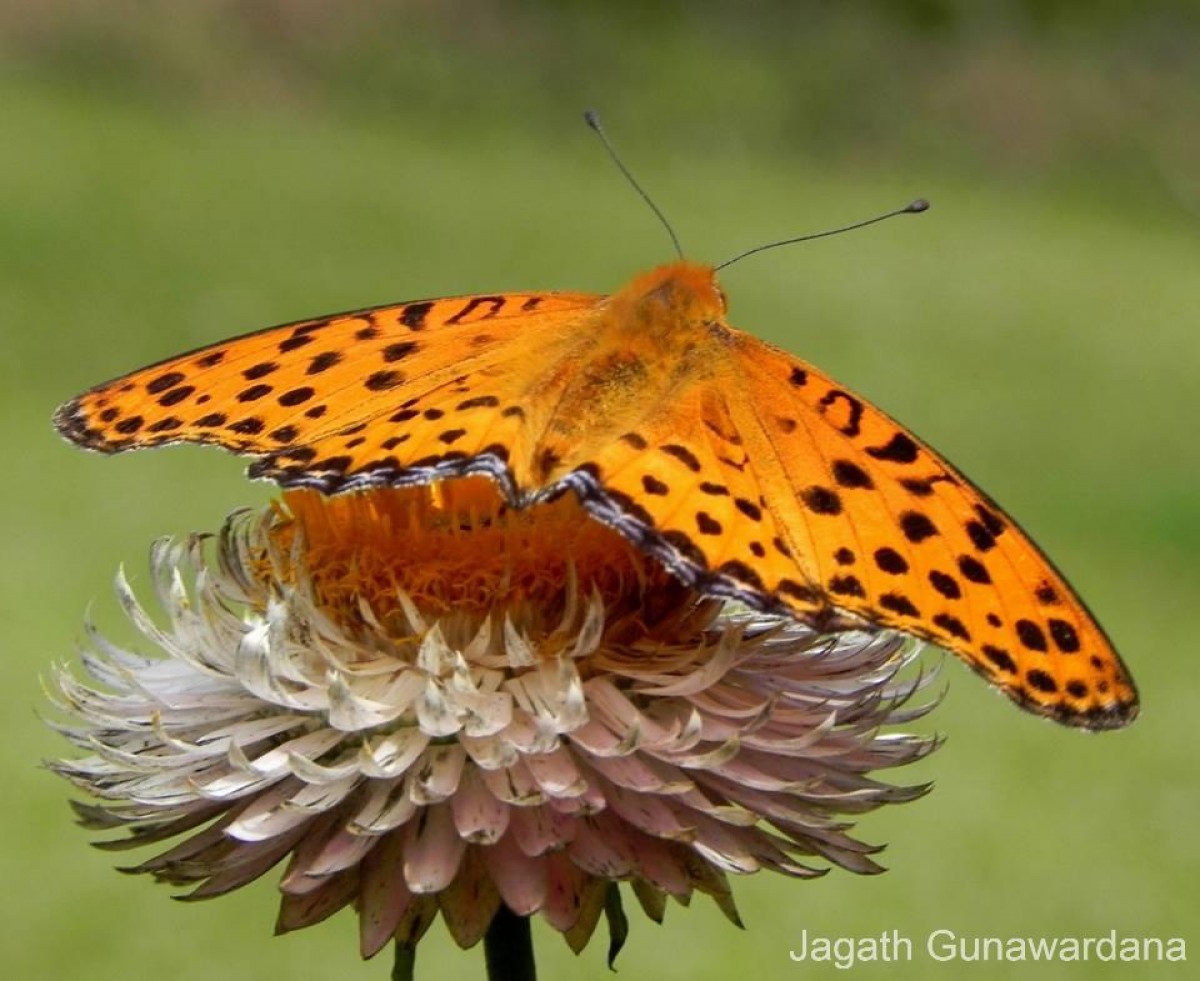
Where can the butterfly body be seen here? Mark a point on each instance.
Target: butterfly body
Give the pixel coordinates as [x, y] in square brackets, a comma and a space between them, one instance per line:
[747, 471]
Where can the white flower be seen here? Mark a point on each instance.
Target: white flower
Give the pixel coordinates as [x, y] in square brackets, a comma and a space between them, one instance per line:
[427, 703]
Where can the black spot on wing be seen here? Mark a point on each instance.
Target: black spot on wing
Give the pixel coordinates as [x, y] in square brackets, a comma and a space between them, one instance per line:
[260, 370]
[168, 380]
[849, 474]
[850, 426]
[899, 449]
[413, 315]
[683, 455]
[494, 303]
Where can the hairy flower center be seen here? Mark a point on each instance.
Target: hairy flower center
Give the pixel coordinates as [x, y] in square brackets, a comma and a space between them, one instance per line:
[455, 546]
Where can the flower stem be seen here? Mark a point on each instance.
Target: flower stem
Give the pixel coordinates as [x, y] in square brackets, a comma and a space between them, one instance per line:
[508, 948]
[406, 958]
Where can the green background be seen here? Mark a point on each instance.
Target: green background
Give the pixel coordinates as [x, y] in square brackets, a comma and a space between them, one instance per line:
[176, 173]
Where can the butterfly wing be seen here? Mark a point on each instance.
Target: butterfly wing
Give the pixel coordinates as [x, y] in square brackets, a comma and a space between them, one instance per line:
[889, 530]
[397, 394]
[766, 481]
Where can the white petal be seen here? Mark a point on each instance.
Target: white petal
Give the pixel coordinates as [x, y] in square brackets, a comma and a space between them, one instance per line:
[436, 776]
[390, 756]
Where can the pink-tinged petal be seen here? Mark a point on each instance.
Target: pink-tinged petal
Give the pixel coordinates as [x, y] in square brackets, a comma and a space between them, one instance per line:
[684, 723]
[432, 850]
[566, 886]
[647, 812]
[342, 851]
[643, 774]
[302, 911]
[728, 702]
[537, 830]
[663, 864]
[698, 800]
[226, 870]
[807, 739]
[556, 773]
[520, 879]
[514, 785]
[714, 666]
[598, 740]
[775, 806]
[296, 878]
[437, 774]
[715, 729]
[592, 905]
[601, 847]
[709, 757]
[727, 848]
[795, 775]
[614, 710]
[591, 801]
[470, 902]
[528, 737]
[383, 895]
[478, 816]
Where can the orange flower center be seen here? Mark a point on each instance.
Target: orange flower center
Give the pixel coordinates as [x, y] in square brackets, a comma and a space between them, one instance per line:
[455, 545]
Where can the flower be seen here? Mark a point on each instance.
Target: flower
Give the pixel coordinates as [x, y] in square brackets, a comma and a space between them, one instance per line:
[429, 703]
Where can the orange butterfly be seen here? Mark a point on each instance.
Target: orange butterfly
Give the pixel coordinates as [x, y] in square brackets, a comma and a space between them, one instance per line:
[747, 471]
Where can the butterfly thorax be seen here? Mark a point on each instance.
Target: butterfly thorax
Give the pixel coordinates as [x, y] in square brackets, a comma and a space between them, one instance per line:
[668, 306]
[641, 346]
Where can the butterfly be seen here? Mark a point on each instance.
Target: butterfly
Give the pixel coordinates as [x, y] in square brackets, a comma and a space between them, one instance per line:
[749, 473]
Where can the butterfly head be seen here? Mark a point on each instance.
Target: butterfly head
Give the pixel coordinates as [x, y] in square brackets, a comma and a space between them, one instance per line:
[678, 296]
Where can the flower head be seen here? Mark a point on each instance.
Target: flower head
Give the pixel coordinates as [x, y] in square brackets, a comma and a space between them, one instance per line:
[428, 703]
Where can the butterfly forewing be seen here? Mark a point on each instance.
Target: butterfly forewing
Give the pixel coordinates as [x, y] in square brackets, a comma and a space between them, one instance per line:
[348, 400]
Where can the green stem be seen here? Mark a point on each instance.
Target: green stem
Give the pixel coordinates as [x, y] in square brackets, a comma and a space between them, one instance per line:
[508, 948]
[405, 962]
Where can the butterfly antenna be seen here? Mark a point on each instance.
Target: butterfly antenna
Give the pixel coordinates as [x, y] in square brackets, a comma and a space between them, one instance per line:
[913, 208]
[593, 120]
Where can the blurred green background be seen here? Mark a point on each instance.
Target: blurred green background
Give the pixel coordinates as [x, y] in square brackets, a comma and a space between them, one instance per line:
[174, 173]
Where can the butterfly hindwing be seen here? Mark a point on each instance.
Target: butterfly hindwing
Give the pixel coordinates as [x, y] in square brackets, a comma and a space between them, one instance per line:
[680, 484]
[899, 536]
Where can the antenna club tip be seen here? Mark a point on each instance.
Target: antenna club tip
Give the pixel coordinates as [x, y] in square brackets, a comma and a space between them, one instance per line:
[592, 118]
[917, 206]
